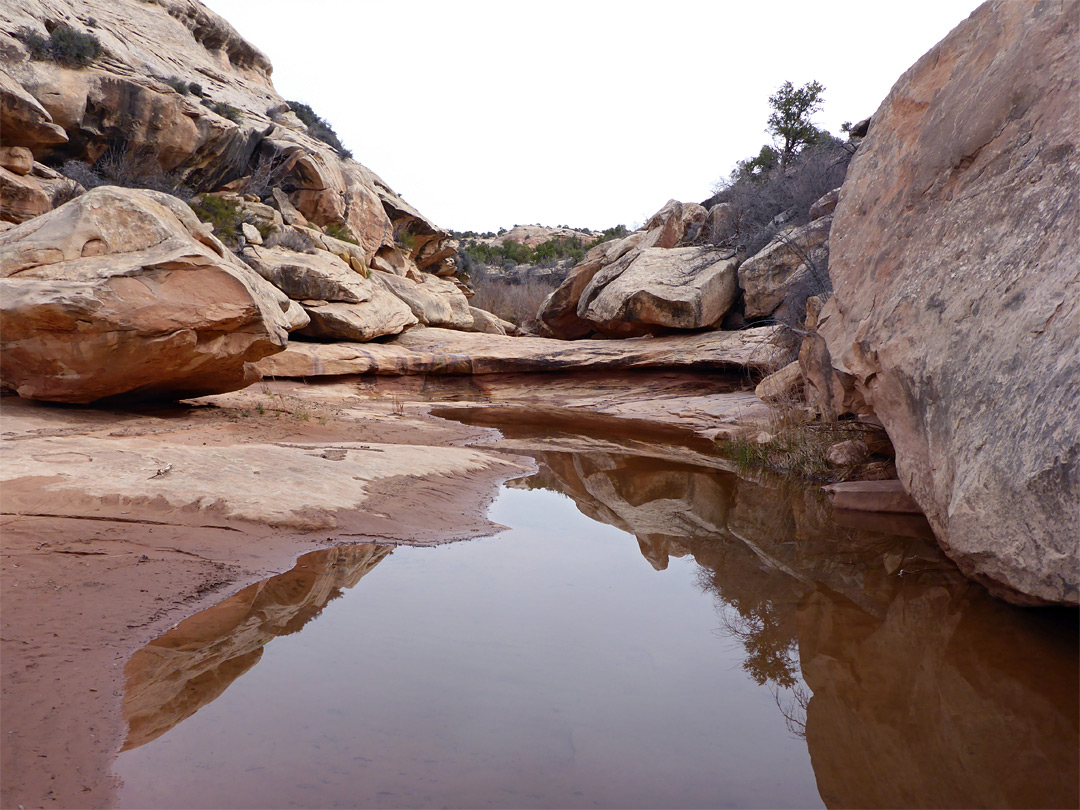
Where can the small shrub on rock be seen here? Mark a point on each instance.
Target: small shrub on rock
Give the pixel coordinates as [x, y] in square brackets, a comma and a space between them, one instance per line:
[224, 214]
[319, 128]
[65, 45]
[342, 232]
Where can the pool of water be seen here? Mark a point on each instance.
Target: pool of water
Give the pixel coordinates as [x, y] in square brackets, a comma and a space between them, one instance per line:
[645, 633]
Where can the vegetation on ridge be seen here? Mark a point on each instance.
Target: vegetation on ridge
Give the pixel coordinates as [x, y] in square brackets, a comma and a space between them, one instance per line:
[318, 127]
[65, 45]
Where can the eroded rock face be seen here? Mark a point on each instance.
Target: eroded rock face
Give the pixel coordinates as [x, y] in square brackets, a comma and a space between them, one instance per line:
[235, 129]
[680, 288]
[777, 280]
[124, 292]
[657, 278]
[957, 292]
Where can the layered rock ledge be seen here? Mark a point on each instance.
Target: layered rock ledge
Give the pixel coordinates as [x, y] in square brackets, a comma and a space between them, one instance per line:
[442, 351]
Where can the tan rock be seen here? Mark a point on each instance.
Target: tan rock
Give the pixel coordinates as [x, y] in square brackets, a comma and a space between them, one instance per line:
[21, 198]
[680, 288]
[830, 392]
[826, 205]
[783, 386]
[434, 301]
[310, 275]
[442, 351]
[382, 314]
[777, 280]
[111, 294]
[484, 321]
[288, 211]
[957, 292]
[23, 120]
[251, 233]
[872, 496]
[847, 453]
[16, 159]
[675, 223]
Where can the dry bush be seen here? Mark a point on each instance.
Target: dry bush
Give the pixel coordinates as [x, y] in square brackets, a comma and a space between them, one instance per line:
[514, 298]
[792, 444]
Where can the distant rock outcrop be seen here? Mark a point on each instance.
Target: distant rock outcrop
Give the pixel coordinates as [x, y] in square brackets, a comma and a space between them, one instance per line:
[126, 292]
[679, 272]
[957, 292]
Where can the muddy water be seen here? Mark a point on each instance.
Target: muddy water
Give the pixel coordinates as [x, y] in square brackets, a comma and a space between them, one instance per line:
[646, 633]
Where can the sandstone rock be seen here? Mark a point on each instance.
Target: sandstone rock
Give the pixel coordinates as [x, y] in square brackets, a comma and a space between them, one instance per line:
[310, 275]
[16, 159]
[251, 233]
[777, 280]
[675, 223]
[958, 292]
[484, 321]
[720, 224]
[681, 288]
[442, 351]
[433, 301]
[287, 209]
[112, 294]
[872, 496]
[826, 205]
[382, 314]
[847, 453]
[830, 393]
[782, 386]
[21, 198]
[558, 314]
[23, 120]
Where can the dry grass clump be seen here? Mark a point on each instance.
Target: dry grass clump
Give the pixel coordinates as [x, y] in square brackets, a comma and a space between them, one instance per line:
[793, 445]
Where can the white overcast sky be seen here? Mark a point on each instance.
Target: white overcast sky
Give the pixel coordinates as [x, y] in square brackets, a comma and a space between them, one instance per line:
[587, 113]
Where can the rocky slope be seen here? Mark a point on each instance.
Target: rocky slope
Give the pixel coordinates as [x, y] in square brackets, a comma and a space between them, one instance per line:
[957, 280]
[177, 100]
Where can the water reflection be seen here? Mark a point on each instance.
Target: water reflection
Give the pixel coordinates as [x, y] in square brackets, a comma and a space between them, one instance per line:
[181, 671]
[910, 685]
[920, 689]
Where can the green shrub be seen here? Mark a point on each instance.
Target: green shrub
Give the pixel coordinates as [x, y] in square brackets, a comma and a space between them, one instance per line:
[65, 46]
[223, 214]
[227, 111]
[405, 239]
[195, 89]
[179, 85]
[319, 128]
[342, 232]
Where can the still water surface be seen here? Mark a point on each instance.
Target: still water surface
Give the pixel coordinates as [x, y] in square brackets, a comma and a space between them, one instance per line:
[644, 634]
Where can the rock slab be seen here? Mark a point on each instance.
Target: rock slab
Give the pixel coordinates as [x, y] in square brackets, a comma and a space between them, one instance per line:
[957, 292]
[124, 292]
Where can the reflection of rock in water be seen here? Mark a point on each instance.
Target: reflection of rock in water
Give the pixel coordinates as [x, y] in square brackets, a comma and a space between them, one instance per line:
[950, 699]
[926, 691]
[183, 670]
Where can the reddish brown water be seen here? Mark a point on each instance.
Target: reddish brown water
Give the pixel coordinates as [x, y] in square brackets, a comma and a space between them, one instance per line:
[645, 634]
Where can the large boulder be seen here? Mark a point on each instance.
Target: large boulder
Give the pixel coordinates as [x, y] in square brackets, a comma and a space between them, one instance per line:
[777, 280]
[434, 301]
[678, 288]
[674, 284]
[318, 275]
[957, 292]
[382, 314]
[124, 292]
[21, 198]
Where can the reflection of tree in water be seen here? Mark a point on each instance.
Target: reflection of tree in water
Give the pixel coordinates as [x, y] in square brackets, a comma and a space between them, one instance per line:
[771, 647]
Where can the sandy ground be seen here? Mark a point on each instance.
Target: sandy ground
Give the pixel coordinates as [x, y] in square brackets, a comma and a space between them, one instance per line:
[88, 577]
